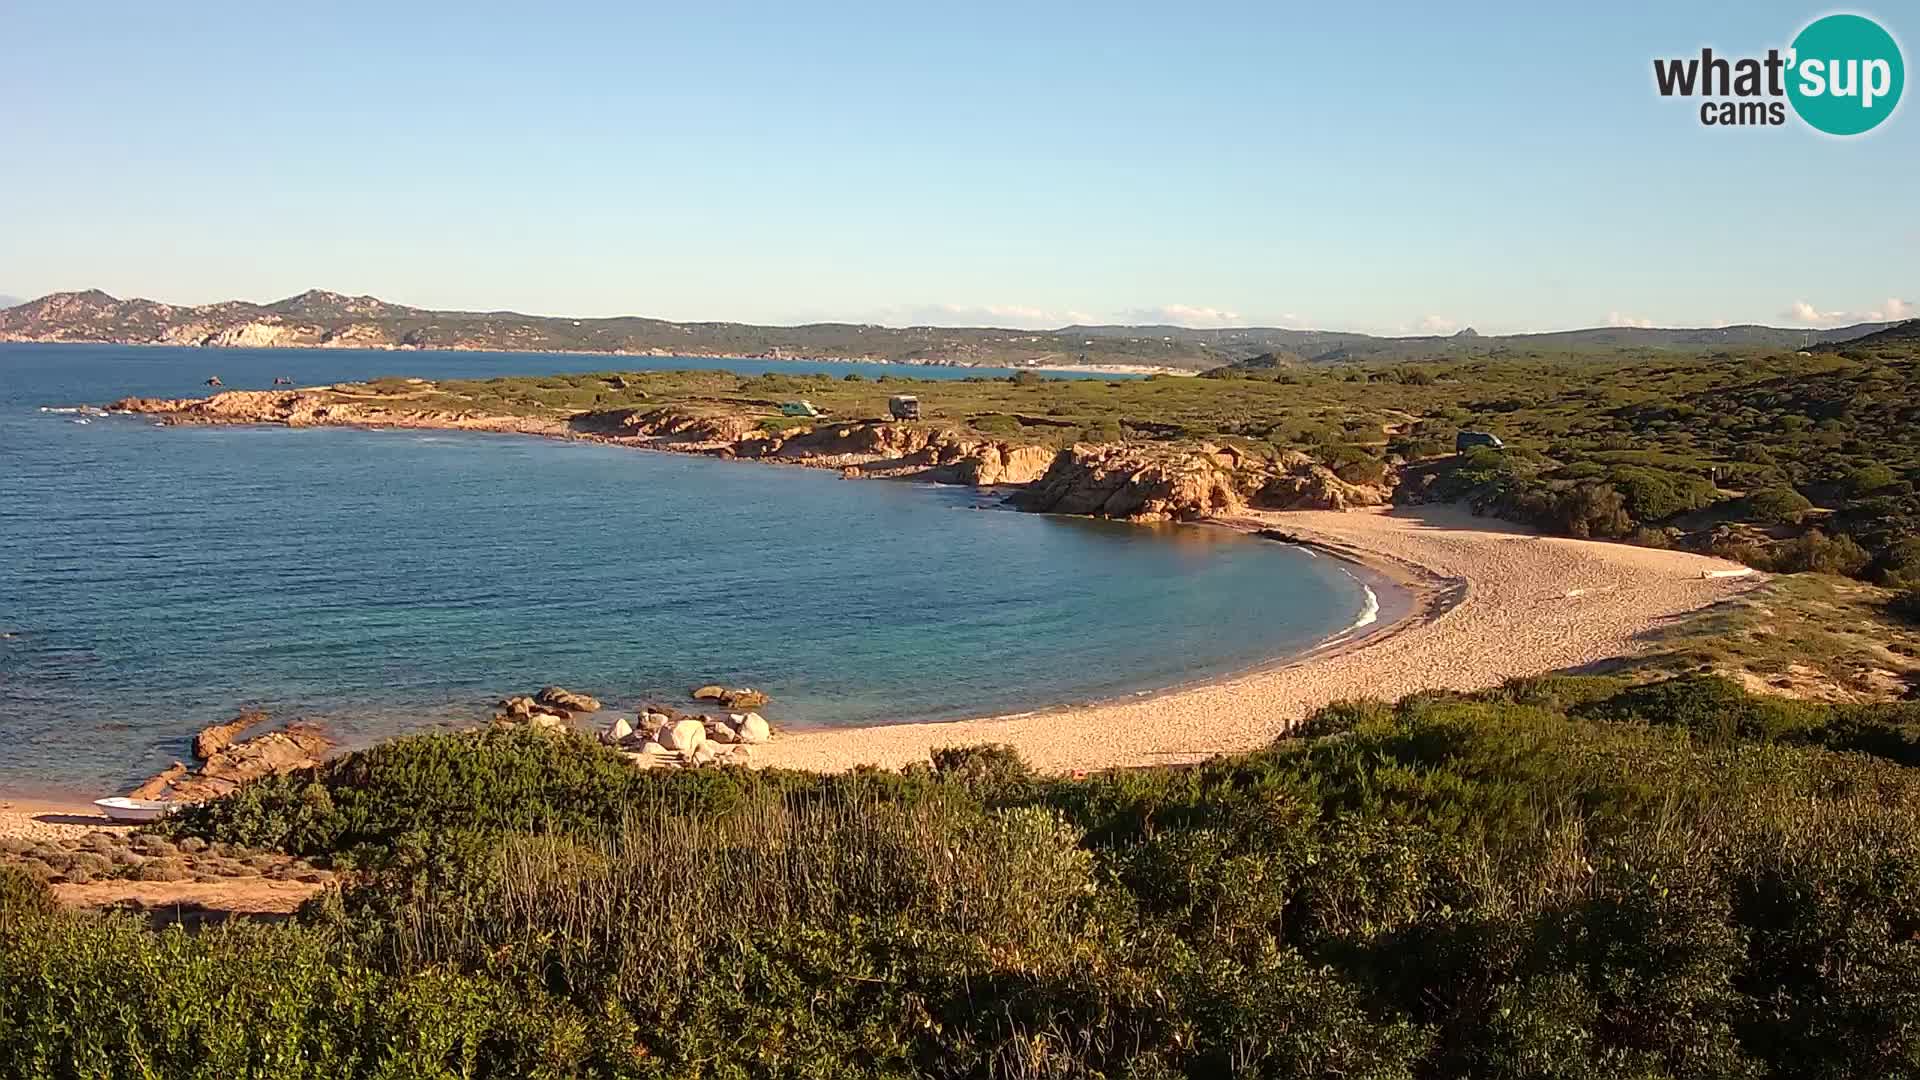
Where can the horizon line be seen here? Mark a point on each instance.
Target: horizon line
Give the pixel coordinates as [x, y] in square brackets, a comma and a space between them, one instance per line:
[1467, 333]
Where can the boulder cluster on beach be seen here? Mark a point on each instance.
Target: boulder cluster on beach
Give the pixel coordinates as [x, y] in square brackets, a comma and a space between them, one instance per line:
[668, 737]
[659, 735]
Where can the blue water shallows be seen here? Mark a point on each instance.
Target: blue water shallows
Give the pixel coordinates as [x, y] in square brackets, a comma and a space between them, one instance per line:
[154, 579]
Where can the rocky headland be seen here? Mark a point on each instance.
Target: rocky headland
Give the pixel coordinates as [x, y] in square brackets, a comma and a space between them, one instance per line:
[1125, 481]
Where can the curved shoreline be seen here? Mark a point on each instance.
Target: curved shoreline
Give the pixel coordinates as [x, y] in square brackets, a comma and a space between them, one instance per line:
[1475, 616]
[1486, 601]
[1495, 601]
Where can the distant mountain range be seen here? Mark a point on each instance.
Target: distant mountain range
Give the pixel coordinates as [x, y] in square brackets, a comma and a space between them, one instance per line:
[318, 319]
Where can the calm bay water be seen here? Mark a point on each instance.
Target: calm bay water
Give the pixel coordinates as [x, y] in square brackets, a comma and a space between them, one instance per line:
[154, 579]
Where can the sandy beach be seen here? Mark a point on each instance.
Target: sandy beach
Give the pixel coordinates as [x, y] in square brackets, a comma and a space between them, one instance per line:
[1493, 600]
[1490, 600]
[53, 819]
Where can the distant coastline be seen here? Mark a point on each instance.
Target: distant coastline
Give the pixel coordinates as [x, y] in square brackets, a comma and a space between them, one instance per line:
[333, 320]
[878, 361]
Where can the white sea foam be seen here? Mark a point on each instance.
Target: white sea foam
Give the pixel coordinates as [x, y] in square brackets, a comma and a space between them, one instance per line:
[1369, 614]
[1369, 611]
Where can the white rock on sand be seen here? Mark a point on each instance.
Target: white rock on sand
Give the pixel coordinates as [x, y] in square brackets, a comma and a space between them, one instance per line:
[752, 728]
[1498, 601]
[683, 735]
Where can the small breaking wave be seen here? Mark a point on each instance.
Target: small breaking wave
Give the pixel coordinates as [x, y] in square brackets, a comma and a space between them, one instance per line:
[1369, 614]
[1369, 611]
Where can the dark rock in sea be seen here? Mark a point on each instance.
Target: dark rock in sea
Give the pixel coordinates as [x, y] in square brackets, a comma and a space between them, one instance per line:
[561, 700]
[745, 697]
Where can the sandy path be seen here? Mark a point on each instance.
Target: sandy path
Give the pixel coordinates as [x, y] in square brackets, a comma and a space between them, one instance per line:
[1498, 601]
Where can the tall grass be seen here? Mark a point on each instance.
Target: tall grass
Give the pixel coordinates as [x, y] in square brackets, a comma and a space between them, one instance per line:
[651, 899]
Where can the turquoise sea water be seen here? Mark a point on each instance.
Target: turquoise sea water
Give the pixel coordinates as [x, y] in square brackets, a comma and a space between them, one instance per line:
[154, 579]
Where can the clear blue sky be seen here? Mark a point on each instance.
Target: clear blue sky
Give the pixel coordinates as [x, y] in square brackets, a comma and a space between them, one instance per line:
[1358, 165]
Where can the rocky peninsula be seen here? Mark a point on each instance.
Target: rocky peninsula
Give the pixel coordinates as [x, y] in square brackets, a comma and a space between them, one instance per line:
[1129, 481]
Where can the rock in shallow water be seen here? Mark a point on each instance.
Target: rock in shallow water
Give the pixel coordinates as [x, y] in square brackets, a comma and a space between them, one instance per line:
[217, 737]
[731, 697]
[296, 747]
[559, 698]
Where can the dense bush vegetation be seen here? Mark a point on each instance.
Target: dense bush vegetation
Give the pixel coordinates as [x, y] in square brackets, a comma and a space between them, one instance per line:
[1778, 505]
[1567, 877]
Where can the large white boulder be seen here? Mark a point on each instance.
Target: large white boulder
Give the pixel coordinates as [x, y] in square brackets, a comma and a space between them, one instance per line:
[617, 732]
[683, 735]
[753, 728]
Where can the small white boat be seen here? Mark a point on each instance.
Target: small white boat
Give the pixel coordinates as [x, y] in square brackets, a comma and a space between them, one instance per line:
[121, 808]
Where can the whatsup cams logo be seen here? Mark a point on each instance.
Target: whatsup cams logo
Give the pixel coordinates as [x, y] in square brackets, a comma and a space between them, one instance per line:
[1842, 75]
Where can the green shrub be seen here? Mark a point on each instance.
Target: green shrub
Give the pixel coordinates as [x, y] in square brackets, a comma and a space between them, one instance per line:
[495, 780]
[1587, 510]
[1365, 470]
[780, 425]
[107, 996]
[1342, 716]
[991, 771]
[996, 424]
[1779, 505]
[22, 896]
[1898, 567]
[1653, 538]
[1816, 552]
[1870, 478]
[1715, 709]
[1657, 494]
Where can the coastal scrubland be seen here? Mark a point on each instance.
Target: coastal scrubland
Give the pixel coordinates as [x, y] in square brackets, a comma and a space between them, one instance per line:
[1786, 461]
[1567, 876]
[1699, 856]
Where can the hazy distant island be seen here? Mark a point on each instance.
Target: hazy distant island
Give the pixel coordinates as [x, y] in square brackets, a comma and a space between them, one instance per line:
[319, 319]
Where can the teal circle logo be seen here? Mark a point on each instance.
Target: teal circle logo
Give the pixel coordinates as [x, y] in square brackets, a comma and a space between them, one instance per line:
[1845, 75]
